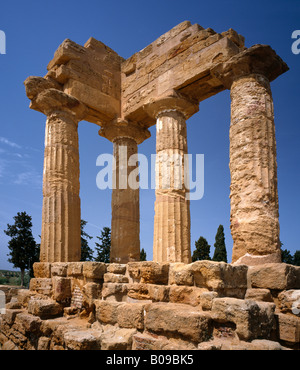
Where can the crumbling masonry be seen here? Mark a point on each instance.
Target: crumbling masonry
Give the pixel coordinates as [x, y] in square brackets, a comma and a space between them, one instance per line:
[168, 303]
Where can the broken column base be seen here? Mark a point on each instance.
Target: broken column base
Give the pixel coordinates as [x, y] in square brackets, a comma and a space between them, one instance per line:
[254, 260]
[204, 305]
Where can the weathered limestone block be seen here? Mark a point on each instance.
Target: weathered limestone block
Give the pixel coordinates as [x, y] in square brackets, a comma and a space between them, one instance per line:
[24, 295]
[106, 312]
[289, 328]
[181, 274]
[94, 270]
[49, 326]
[41, 285]
[131, 315]
[42, 269]
[59, 269]
[252, 319]
[148, 341]
[9, 346]
[114, 339]
[116, 268]
[149, 272]
[61, 288]
[177, 320]
[115, 278]
[186, 294]
[227, 345]
[289, 301]
[29, 323]
[265, 345]
[275, 276]
[221, 277]
[75, 269]
[114, 292]
[206, 300]
[10, 315]
[82, 340]
[44, 308]
[91, 291]
[43, 344]
[263, 295]
[151, 292]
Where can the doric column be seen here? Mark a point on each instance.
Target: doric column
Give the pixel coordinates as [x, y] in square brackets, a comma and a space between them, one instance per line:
[253, 166]
[60, 236]
[171, 242]
[125, 205]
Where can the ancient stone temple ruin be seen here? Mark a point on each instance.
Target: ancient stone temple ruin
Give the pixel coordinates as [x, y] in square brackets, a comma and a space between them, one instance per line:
[168, 303]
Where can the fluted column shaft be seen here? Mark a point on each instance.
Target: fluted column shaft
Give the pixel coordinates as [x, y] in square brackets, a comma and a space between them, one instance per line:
[125, 203]
[172, 209]
[125, 221]
[60, 238]
[253, 191]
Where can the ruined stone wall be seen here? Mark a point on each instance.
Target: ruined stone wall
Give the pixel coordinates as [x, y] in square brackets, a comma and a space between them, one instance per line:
[155, 306]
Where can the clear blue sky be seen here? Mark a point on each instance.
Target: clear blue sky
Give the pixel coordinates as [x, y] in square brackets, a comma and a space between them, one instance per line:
[34, 29]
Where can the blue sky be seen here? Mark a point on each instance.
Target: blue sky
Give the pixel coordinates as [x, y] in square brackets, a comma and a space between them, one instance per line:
[34, 30]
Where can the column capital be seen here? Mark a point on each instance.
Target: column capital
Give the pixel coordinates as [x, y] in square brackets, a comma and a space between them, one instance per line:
[120, 128]
[47, 97]
[258, 59]
[171, 101]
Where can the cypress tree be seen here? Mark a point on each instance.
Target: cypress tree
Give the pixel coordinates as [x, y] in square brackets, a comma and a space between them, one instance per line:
[22, 246]
[143, 255]
[220, 253]
[86, 251]
[296, 258]
[202, 250]
[103, 248]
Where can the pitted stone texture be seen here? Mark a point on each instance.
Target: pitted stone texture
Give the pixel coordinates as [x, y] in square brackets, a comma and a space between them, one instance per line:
[253, 167]
[253, 320]
[171, 241]
[178, 320]
[221, 277]
[149, 272]
[125, 221]
[275, 276]
[60, 237]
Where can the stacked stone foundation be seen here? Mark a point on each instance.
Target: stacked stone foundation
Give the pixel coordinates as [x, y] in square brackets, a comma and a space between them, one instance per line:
[155, 306]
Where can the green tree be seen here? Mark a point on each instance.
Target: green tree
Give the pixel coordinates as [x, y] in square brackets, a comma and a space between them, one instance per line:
[103, 248]
[220, 253]
[86, 251]
[22, 246]
[296, 258]
[143, 255]
[202, 250]
[286, 256]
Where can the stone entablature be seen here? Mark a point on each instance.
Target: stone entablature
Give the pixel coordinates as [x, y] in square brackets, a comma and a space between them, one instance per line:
[149, 305]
